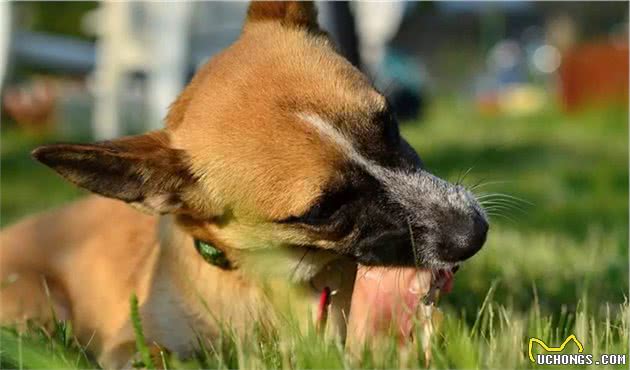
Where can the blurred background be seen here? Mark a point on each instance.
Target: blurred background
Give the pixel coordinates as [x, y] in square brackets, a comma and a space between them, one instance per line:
[528, 99]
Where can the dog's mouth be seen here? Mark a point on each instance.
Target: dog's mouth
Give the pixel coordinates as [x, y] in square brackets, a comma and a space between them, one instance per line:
[383, 298]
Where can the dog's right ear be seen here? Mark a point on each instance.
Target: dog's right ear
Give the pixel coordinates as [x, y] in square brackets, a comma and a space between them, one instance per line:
[299, 14]
[141, 170]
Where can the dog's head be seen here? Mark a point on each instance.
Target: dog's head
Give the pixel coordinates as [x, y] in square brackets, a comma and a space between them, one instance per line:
[280, 144]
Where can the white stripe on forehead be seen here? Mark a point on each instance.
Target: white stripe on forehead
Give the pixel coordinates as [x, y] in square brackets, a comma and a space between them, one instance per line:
[327, 131]
[408, 188]
[402, 184]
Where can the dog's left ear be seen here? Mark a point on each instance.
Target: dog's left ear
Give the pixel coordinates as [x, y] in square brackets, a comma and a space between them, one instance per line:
[141, 170]
[299, 14]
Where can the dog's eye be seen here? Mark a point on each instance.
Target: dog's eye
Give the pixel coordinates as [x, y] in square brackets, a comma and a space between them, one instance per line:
[324, 209]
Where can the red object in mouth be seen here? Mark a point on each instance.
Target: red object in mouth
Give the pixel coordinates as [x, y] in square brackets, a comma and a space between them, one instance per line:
[322, 308]
[447, 276]
[386, 297]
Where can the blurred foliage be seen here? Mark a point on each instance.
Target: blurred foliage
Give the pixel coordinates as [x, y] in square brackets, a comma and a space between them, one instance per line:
[59, 17]
[26, 186]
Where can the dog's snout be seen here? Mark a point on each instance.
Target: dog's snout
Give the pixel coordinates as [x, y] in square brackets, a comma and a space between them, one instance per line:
[437, 223]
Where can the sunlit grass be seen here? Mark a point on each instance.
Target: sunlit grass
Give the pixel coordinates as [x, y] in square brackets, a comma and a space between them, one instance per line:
[497, 338]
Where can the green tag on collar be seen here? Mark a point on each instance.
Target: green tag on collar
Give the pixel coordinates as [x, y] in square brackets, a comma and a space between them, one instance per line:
[212, 255]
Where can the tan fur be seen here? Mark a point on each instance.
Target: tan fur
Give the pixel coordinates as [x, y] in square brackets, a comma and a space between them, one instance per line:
[236, 107]
[96, 269]
[234, 157]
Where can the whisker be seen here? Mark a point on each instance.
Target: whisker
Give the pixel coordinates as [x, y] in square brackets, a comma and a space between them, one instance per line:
[503, 195]
[459, 175]
[503, 208]
[477, 184]
[503, 216]
[416, 259]
[482, 184]
[299, 263]
[494, 212]
[502, 200]
[507, 205]
[466, 173]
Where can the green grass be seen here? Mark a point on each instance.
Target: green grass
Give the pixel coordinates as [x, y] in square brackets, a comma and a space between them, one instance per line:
[558, 267]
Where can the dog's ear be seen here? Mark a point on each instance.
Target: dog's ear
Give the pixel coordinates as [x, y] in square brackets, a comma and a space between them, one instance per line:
[142, 170]
[301, 14]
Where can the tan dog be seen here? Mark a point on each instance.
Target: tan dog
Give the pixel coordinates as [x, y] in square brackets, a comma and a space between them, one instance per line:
[280, 169]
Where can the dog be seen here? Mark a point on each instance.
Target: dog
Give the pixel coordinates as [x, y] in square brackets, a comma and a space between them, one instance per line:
[279, 173]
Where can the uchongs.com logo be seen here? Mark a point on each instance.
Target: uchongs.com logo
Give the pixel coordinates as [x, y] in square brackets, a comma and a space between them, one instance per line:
[554, 355]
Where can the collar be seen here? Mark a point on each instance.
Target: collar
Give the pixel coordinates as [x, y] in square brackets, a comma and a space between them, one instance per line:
[212, 255]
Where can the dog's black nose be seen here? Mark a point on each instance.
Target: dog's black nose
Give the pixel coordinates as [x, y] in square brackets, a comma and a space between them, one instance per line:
[479, 234]
[464, 246]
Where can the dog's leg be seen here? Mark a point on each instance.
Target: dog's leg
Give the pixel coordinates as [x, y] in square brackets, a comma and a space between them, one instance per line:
[27, 295]
[118, 356]
[120, 351]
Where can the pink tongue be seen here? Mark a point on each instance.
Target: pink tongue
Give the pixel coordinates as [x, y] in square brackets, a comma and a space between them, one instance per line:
[385, 298]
